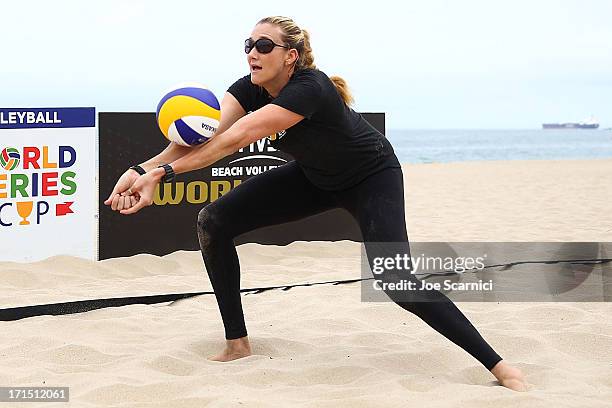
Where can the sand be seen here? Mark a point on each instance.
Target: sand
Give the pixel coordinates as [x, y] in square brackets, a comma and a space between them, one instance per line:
[321, 346]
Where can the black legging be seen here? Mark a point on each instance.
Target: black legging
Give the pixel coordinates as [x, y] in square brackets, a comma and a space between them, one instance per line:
[284, 194]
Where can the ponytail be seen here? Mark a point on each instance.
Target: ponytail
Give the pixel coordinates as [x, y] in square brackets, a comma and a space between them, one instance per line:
[343, 89]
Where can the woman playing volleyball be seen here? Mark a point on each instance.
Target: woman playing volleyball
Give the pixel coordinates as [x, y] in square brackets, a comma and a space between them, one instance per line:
[340, 162]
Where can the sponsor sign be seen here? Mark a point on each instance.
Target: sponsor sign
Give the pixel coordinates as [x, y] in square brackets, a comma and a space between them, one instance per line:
[170, 223]
[47, 183]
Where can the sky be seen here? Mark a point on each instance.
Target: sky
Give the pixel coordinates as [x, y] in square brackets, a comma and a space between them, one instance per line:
[427, 64]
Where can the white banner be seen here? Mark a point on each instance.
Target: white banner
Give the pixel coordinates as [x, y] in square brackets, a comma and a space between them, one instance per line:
[48, 174]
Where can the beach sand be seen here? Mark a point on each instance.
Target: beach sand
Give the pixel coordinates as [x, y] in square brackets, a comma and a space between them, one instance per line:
[320, 345]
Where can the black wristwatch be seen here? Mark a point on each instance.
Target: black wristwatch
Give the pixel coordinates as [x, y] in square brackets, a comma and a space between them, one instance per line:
[138, 169]
[169, 176]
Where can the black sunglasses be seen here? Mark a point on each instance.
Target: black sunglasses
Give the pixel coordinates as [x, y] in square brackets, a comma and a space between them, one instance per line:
[263, 45]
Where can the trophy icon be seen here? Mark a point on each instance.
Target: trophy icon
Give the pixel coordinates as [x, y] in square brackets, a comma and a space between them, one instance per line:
[24, 209]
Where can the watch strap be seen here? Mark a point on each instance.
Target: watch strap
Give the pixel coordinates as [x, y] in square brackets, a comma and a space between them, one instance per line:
[138, 169]
[169, 176]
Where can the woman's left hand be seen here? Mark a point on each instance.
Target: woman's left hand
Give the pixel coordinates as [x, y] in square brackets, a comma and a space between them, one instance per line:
[143, 189]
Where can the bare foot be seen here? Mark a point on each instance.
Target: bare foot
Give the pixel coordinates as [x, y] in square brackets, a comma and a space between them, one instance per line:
[509, 376]
[234, 349]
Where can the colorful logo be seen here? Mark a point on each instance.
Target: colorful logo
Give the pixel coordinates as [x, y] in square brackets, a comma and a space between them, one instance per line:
[42, 178]
[9, 158]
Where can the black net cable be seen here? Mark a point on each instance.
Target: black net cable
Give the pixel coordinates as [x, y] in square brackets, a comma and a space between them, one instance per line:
[54, 309]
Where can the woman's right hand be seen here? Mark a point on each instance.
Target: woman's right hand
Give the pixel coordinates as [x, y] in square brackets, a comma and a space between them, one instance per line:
[116, 199]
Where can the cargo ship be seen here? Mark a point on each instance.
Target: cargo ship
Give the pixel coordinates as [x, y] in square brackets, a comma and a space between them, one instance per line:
[588, 124]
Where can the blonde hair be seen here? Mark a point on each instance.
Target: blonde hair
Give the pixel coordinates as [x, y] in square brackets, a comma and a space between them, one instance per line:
[299, 39]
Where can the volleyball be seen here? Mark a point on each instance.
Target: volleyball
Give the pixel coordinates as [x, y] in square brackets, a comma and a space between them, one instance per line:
[188, 115]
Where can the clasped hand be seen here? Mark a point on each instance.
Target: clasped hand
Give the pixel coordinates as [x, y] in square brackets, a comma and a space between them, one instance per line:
[133, 192]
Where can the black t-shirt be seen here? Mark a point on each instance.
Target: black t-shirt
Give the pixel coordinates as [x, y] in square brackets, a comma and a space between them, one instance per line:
[334, 145]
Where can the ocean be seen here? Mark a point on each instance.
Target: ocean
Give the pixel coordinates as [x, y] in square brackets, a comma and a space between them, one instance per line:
[434, 146]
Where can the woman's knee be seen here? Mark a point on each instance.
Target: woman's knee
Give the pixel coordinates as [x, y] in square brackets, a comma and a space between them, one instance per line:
[209, 226]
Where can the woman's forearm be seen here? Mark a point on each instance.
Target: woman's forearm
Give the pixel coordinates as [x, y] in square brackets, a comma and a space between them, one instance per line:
[171, 153]
[217, 148]
[248, 129]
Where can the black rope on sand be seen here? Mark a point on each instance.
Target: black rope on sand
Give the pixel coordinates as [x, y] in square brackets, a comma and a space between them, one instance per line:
[54, 309]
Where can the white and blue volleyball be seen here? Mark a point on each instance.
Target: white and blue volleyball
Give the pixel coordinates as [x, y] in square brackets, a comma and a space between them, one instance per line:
[188, 115]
